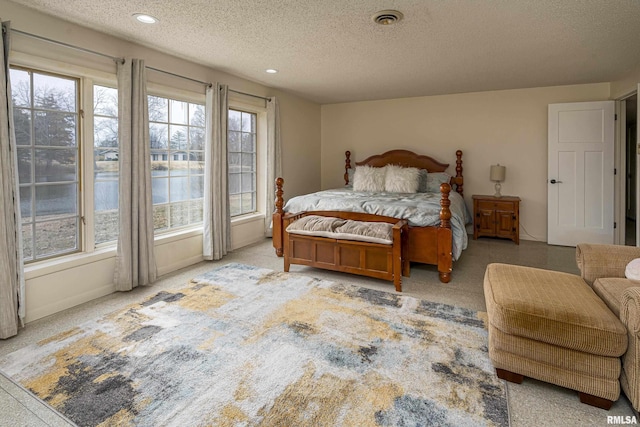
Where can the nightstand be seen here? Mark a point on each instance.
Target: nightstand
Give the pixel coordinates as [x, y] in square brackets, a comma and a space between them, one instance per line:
[496, 217]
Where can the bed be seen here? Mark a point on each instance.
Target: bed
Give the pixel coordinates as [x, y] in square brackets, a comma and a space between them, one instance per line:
[437, 220]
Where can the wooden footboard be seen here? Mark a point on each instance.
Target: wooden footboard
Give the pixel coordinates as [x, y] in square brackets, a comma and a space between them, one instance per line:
[426, 245]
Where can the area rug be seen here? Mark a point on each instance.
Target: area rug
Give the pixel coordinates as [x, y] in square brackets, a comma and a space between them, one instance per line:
[247, 346]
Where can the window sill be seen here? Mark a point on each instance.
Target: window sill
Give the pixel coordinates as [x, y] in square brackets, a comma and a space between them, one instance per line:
[42, 268]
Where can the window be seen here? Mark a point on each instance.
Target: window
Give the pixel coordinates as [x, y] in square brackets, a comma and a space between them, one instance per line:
[242, 162]
[105, 163]
[176, 131]
[46, 113]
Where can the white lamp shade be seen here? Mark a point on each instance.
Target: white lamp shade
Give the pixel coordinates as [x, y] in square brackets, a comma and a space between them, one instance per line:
[498, 173]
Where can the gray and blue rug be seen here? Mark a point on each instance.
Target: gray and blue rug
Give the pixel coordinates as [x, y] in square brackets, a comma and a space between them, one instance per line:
[247, 346]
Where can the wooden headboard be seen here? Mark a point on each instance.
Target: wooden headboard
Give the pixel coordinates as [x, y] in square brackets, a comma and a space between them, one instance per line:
[408, 159]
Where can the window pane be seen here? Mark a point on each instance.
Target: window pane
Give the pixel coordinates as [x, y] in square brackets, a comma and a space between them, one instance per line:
[176, 153]
[247, 122]
[196, 138]
[196, 162]
[234, 141]
[179, 214]
[46, 126]
[247, 182]
[158, 109]
[54, 93]
[178, 137]
[179, 188]
[179, 112]
[56, 199]
[248, 162]
[196, 115]
[159, 163]
[234, 162]
[248, 202]
[195, 212]
[56, 236]
[22, 126]
[158, 134]
[235, 204]
[105, 101]
[248, 142]
[242, 162]
[234, 120]
[27, 242]
[55, 129]
[160, 217]
[20, 88]
[106, 226]
[24, 165]
[54, 164]
[234, 183]
[160, 190]
[105, 132]
[105, 163]
[25, 203]
[106, 195]
[197, 187]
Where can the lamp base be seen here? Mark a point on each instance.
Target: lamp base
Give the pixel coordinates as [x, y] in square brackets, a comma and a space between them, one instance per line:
[498, 187]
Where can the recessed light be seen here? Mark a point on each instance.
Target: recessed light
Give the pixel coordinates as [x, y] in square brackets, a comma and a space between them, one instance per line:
[271, 70]
[144, 18]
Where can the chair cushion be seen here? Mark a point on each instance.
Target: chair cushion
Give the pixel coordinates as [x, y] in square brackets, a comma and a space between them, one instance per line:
[552, 307]
[610, 291]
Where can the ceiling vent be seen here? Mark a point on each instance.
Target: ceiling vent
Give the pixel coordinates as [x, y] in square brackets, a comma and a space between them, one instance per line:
[387, 17]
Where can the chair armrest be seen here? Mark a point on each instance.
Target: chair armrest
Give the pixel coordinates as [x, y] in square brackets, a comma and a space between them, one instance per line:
[596, 261]
[630, 318]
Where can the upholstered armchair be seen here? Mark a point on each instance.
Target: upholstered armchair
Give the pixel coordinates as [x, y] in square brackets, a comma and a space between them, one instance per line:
[603, 268]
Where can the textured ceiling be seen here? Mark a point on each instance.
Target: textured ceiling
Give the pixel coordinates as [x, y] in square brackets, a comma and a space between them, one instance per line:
[330, 51]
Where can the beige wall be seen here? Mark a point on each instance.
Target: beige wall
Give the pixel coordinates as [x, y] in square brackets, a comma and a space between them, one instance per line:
[507, 127]
[56, 285]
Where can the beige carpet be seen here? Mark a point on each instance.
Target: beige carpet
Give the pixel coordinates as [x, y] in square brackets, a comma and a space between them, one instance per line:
[531, 403]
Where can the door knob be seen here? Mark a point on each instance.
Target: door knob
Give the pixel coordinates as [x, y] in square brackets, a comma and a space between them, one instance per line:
[553, 181]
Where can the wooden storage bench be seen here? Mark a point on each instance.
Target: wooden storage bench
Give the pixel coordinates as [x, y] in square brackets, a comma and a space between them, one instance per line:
[351, 242]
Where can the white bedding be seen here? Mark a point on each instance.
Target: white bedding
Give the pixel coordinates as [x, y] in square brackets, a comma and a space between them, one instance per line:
[419, 209]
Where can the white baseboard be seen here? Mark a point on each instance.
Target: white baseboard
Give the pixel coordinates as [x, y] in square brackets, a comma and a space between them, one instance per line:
[66, 303]
[168, 268]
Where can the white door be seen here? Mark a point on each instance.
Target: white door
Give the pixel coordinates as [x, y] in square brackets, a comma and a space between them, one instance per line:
[580, 173]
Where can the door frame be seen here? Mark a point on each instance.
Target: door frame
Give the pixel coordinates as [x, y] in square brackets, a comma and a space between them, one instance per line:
[620, 183]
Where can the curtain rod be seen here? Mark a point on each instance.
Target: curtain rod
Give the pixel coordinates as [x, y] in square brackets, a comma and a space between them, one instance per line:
[250, 94]
[121, 60]
[208, 84]
[35, 36]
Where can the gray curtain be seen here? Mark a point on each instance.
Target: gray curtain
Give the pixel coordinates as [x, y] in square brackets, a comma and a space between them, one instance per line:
[135, 259]
[274, 160]
[12, 308]
[216, 240]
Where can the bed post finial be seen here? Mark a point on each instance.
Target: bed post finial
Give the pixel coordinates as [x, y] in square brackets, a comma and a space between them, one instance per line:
[347, 166]
[279, 203]
[460, 184]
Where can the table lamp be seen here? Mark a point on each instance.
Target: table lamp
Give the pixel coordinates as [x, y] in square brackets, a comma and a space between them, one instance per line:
[497, 175]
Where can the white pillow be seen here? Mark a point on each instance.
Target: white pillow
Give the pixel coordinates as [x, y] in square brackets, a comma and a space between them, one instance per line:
[366, 178]
[401, 180]
[632, 272]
